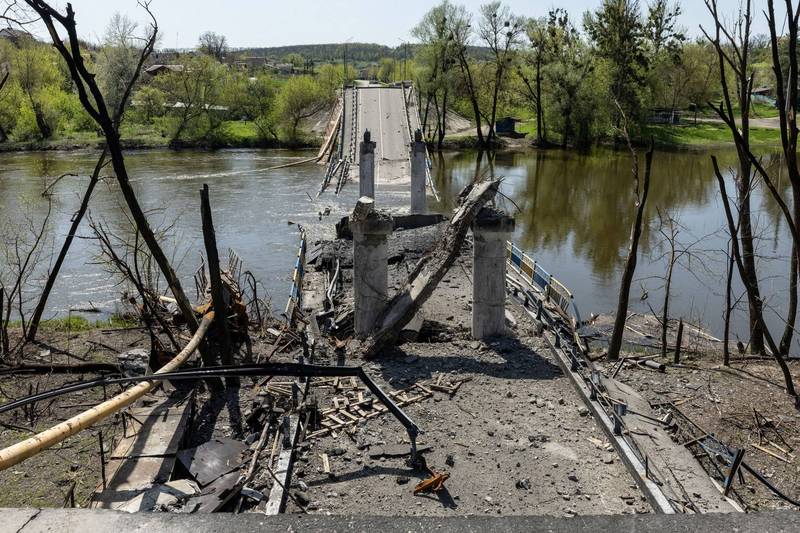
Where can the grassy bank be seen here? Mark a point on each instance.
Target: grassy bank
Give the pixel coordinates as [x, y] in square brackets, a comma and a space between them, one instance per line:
[231, 134]
[704, 135]
[80, 323]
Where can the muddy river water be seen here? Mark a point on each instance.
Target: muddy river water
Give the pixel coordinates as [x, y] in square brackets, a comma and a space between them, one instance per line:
[573, 215]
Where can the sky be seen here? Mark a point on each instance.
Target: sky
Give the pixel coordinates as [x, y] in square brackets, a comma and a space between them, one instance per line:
[248, 23]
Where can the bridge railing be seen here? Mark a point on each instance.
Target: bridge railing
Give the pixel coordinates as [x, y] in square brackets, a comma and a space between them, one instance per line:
[552, 289]
[296, 290]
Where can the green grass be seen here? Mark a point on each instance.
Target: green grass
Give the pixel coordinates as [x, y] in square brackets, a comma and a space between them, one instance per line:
[239, 133]
[79, 323]
[704, 134]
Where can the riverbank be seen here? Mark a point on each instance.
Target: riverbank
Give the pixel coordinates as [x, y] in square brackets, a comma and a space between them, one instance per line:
[244, 134]
[702, 136]
[231, 134]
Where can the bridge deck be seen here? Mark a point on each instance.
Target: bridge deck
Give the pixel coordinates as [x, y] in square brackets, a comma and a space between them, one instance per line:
[382, 111]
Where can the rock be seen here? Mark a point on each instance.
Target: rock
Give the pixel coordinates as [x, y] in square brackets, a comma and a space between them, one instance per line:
[303, 485]
[488, 499]
[333, 452]
[572, 477]
[402, 480]
[301, 497]
[561, 401]
[583, 411]
[450, 460]
[475, 345]
[523, 484]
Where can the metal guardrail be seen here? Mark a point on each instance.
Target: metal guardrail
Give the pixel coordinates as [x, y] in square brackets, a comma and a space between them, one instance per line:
[296, 290]
[553, 290]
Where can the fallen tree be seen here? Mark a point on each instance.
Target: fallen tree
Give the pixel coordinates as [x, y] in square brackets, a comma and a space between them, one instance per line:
[428, 273]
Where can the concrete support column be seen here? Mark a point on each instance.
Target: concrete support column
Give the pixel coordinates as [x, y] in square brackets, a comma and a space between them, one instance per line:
[491, 230]
[366, 166]
[370, 268]
[419, 175]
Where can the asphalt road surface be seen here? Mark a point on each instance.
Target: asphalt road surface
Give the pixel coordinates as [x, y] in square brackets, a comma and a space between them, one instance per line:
[381, 110]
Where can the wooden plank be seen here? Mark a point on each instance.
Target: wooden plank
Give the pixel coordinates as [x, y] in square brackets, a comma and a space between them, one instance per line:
[283, 471]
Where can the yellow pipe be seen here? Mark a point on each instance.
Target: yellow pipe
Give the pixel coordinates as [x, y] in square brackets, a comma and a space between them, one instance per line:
[28, 448]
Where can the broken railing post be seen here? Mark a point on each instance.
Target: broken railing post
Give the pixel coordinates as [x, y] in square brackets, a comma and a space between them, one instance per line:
[419, 174]
[366, 166]
[491, 230]
[371, 230]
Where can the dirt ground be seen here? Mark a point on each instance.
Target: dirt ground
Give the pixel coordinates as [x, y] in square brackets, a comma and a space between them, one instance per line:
[45, 479]
[723, 401]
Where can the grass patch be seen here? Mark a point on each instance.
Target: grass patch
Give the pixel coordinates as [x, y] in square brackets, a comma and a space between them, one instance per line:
[80, 323]
[704, 134]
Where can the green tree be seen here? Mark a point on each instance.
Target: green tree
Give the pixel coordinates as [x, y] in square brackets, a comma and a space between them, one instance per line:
[618, 34]
[295, 59]
[567, 73]
[501, 31]
[194, 94]
[117, 59]
[149, 104]
[34, 66]
[438, 56]
[386, 70]
[300, 98]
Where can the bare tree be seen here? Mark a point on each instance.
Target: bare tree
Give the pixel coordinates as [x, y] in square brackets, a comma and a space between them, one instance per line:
[787, 375]
[501, 31]
[62, 254]
[786, 94]
[23, 249]
[732, 46]
[93, 101]
[641, 190]
[214, 45]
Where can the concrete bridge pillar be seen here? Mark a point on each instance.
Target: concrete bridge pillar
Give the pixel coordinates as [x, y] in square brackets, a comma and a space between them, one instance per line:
[370, 264]
[491, 230]
[366, 166]
[419, 175]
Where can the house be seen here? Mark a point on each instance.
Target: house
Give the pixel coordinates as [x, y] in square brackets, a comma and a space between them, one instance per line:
[157, 70]
[250, 64]
[507, 127]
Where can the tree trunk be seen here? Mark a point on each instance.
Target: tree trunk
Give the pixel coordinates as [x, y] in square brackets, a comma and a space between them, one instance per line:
[62, 254]
[726, 352]
[791, 314]
[665, 313]
[41, 123]
[787, 375]
[443, 121]
[540, 135]
[220, 308]
[630, 265]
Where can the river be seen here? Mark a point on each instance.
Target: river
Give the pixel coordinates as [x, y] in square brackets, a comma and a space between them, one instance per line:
[573, 212]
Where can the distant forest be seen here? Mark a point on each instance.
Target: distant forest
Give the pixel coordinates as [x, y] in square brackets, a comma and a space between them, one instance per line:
[333, 53]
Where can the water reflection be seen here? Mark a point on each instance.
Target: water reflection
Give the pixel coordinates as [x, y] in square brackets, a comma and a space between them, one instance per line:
[576, 210]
